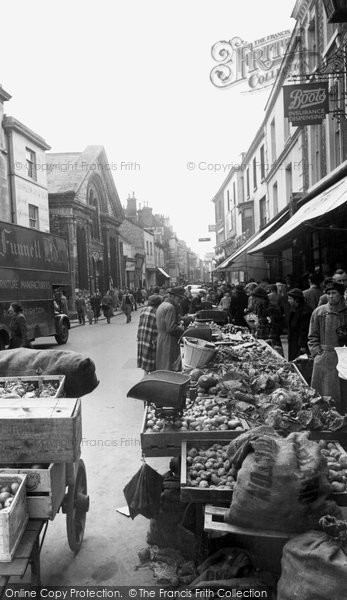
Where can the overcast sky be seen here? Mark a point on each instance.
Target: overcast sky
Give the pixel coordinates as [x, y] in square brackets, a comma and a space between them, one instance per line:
[134, 76]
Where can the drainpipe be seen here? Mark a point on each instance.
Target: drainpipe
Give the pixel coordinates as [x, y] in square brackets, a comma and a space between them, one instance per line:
[11, 175]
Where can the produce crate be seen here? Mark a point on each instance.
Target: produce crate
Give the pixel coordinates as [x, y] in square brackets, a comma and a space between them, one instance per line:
[40, 430]
[45, 488]
[196, 494]
[13, 519]
[168, 443]
[39, 381]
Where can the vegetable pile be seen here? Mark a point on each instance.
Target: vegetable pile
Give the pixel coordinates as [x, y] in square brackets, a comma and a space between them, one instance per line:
[248, 386]
[210, 468]
[337, 465]
[28, 389]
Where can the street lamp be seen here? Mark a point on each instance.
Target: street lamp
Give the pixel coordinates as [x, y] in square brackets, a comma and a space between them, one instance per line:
[336, 10]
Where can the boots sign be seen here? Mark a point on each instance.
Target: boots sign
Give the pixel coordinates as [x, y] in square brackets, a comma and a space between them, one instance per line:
[307, 103]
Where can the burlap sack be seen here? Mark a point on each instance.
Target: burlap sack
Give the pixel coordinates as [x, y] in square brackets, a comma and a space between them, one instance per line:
[314, 567]
[282, 485]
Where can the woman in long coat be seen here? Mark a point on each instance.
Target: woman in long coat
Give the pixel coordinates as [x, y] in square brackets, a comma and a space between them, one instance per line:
[323, 338]
[147, 334]
[169, 330]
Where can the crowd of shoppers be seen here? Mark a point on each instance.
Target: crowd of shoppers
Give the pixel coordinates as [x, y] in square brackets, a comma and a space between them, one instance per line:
[314, 319]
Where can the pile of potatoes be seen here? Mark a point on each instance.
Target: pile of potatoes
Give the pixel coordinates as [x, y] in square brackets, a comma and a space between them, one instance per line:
[210, 468]
[204, 414]
[337, 464]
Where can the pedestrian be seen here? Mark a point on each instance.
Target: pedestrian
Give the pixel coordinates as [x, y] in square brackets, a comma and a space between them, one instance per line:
[269, 319]
[80, 305]
[249, 288]
[139, 297]
[273, 295]
[63, 303]
[238, 305]
[89, 312]
[127, 304]
[169, 330]
[298, 324]
[313, 293]
[147, 334]
[97, 309]
[323, 338]
[107, 306]
[196, 303]
[134, 299]
[95, 304]
[339, 276]
[18, 327]
[224, 303]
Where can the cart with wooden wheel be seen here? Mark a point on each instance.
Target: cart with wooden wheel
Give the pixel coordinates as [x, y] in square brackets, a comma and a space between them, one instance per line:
[40, 439]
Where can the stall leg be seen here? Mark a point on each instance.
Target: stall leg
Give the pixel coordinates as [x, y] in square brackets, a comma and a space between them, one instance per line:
[35, 564]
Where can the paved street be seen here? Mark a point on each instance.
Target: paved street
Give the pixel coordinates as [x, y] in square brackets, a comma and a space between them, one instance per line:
[112, 454]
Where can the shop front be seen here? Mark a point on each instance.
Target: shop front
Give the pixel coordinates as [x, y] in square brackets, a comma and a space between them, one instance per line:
[313, 238]
[241, 266]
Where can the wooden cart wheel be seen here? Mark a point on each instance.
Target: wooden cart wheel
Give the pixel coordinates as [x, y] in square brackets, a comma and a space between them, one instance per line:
[76, 507]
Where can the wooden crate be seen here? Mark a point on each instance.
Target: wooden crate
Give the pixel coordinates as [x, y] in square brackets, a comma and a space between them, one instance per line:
[168, 443]
[13, 519]
[45, 489]
[40, 430]
[38, 381]
[196, 494]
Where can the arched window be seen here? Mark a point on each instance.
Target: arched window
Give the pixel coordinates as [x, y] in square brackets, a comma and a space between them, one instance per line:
[93, 202]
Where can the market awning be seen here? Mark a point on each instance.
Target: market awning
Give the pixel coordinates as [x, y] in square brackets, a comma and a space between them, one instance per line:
[325, 202]
[163, 272]
[253, 240]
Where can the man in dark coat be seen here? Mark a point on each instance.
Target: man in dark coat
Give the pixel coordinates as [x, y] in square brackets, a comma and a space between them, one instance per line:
[269, 325]
[169, 330]
[298, 325]
[323, 338]
[238, 305]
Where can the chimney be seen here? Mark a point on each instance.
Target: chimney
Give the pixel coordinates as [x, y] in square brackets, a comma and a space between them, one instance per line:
[131, 209]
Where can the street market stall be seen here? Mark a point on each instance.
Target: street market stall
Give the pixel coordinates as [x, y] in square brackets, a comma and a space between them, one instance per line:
[245, 393]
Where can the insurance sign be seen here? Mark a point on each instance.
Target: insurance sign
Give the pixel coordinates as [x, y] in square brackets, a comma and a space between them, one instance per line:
[306, 103]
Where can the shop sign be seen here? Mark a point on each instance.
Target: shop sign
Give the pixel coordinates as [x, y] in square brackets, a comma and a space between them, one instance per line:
[307, 103]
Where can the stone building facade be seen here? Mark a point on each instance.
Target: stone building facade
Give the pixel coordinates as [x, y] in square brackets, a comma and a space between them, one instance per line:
[85, 209]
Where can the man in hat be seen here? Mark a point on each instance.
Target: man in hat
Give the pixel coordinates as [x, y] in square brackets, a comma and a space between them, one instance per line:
[298, 324]
[269, 325]
[323, 337]
[169, 330]
[339, 276]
